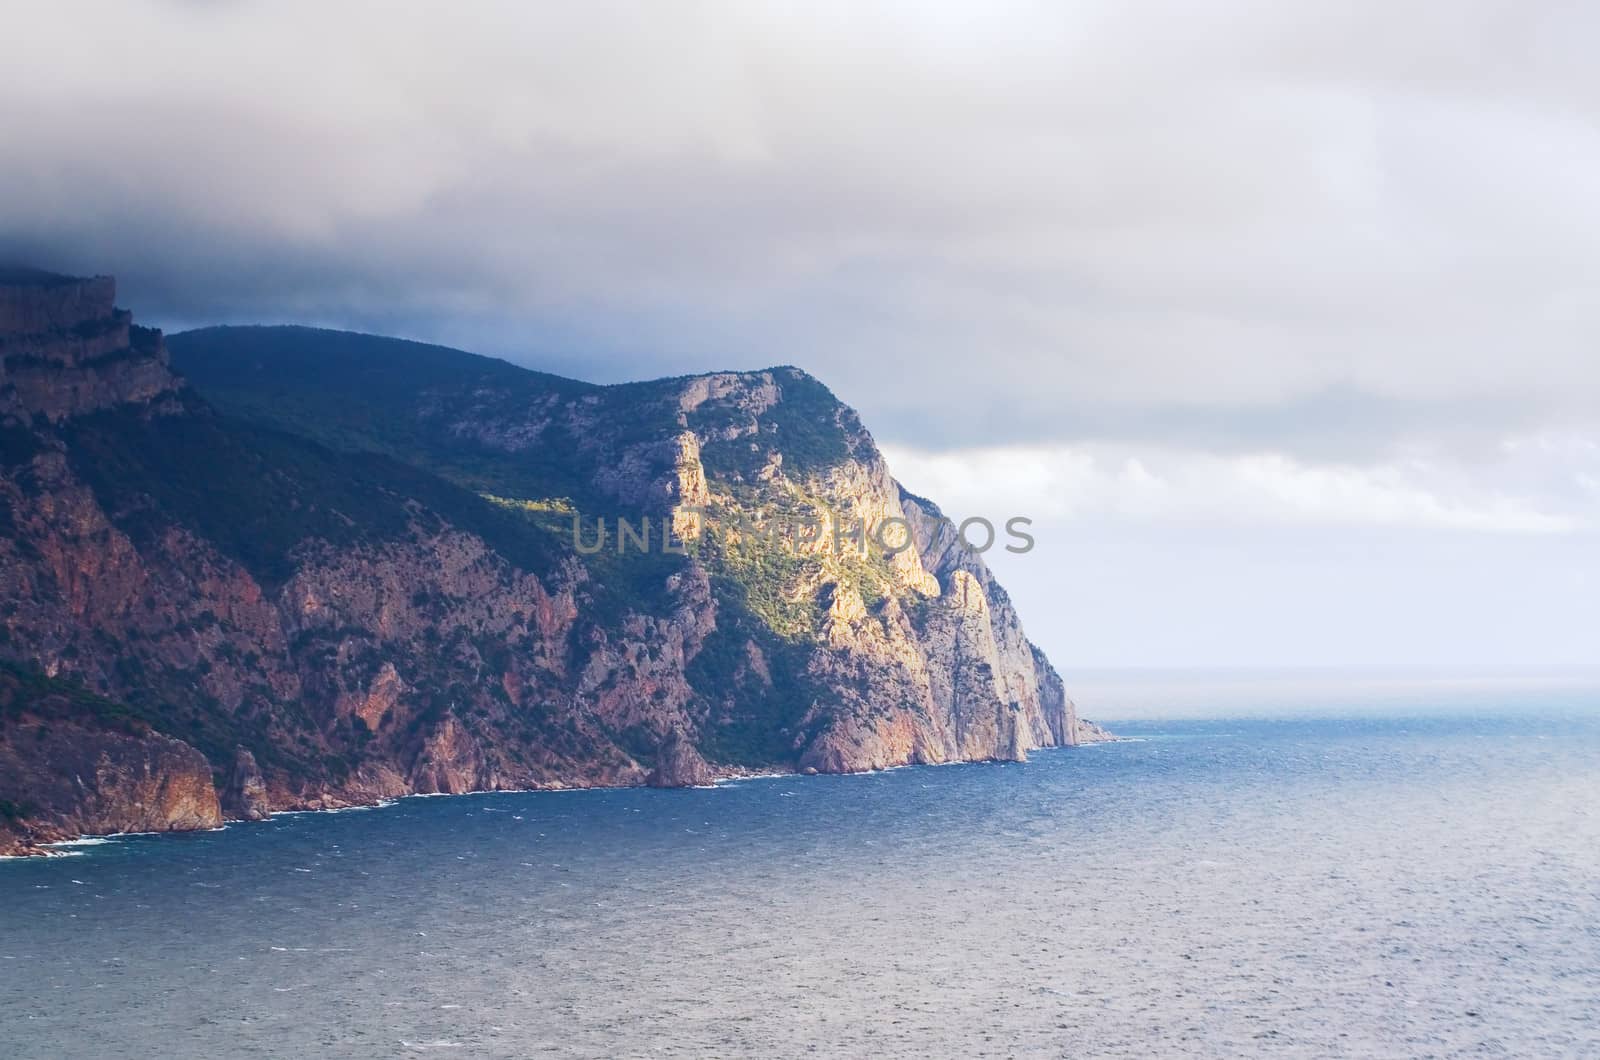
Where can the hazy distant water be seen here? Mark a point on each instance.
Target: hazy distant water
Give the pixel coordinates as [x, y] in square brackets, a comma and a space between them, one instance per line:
[1337, 882]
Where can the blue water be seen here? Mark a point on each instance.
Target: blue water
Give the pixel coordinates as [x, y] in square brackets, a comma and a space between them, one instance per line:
[1394, 871]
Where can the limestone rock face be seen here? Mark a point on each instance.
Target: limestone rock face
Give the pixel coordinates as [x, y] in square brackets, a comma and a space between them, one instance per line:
[301, 625]
[245, 795]
[33, 302]
[66, 350]
[65, 772]
[937, 668]
[679, 764]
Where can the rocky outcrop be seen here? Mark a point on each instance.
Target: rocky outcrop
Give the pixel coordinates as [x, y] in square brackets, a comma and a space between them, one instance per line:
[34, 302]
[938, 669]
[245, 795]
[66, 350]
[73, 764]
[679, 764]
[297, 626]
[86, 782]
[991, 630]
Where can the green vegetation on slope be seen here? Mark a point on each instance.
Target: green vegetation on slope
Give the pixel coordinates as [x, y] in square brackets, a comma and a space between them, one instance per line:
[169, 708]
[28, 690]
[406, 400]
[257, 493]
[622, 579]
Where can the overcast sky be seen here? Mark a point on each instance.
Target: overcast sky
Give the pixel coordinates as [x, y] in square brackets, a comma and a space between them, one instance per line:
[1280, 319]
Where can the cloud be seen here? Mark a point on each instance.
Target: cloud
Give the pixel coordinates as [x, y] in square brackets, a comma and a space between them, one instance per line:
[1335, 231]
[1279, 318]
[1101, 483]
[1160, 556]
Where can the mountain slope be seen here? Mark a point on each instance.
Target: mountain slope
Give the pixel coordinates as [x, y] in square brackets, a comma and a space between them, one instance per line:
[359, 579]
[925, 636]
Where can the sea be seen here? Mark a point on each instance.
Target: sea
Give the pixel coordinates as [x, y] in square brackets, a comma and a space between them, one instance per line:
[1269, 864]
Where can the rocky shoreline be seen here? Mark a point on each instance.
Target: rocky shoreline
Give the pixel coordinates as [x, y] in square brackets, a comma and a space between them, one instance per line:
[41, 840]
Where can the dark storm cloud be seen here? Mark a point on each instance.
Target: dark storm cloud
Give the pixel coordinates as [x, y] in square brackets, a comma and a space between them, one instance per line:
[1335, 230]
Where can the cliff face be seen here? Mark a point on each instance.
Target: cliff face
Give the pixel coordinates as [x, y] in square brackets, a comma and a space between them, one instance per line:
[65, 349]
[882, 656]
[74, 764]
[403, 608]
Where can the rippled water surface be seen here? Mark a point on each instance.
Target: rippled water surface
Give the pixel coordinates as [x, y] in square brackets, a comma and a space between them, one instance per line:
[1415, 875]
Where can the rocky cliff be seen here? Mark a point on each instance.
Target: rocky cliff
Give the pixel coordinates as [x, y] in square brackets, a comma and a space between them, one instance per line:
[361, 579]
[74, 764]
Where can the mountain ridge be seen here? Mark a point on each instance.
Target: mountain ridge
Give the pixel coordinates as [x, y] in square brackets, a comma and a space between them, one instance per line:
[338, 568]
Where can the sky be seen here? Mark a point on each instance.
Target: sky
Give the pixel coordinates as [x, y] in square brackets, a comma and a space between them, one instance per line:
[1279, 320]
